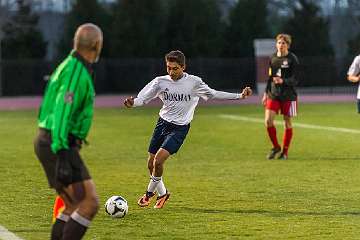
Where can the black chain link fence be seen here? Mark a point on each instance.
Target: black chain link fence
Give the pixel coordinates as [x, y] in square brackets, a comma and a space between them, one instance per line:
[28, 77]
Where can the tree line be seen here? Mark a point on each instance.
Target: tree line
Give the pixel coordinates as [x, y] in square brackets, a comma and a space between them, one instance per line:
[200, 28]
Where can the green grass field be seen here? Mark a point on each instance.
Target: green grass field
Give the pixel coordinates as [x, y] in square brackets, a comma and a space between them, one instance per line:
[222, 186]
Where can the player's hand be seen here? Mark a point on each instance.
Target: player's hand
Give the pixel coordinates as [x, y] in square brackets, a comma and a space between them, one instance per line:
[354, 79]
[246, 92]
[264, 98]
[278, 80]
[63, 170]
[129, 102]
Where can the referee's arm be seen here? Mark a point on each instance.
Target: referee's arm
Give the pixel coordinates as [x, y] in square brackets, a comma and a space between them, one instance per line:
[68, 100]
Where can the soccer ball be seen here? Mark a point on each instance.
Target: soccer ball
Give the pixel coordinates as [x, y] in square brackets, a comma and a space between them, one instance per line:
[116, 206]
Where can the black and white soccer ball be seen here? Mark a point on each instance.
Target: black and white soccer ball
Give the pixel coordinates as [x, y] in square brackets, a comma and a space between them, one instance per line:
[116, 206]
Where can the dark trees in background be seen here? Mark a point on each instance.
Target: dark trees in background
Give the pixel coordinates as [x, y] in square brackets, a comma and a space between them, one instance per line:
[138, 28]
[310, 31]
[84, 11]
[311, 43]
[22, 39]
[195, 27]
[354, 46]
[247, 22]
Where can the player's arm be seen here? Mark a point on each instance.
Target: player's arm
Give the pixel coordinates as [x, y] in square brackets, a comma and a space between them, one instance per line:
[353, 78]
[129, 102]
[69, 97]
[149, 92]
[268, 84]
[66, 103]
[246, 92]
[204, 91]
[353, 74]
[86, 95]
[292, 80]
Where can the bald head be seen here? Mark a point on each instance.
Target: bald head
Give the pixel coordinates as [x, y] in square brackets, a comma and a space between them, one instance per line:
[88, 38]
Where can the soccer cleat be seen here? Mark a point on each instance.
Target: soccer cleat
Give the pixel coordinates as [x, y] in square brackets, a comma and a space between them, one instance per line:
[283, 156]
[160, 201]
[145, 200]
[273, 153]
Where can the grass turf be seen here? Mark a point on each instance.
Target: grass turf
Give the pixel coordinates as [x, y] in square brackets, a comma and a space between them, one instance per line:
[222, 186]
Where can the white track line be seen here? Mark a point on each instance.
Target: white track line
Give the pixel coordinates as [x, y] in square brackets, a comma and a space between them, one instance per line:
[301, 125]
[6, 235]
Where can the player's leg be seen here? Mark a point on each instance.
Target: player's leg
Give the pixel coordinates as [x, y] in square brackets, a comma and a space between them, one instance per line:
[270, 113]
[160, 189]
[163, 194]
[288, 133]
[161, 156]
[48, 161]
[64, 216]
[160, 185]
[155, 144]
[150, 162]
[171, 145]
[157, 168]
[289, 110]
[84, 195]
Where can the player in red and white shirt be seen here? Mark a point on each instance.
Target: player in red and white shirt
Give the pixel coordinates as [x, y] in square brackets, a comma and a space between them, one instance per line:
[280, 95]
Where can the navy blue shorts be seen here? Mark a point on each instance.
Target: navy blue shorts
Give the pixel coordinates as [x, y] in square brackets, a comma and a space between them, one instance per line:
[168, 136]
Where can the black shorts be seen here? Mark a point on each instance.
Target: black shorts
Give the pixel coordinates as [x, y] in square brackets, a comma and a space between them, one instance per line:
[42, 147]
[168, 136]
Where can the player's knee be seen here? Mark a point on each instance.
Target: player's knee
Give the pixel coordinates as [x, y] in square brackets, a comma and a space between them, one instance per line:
[150, 163]
[150, 167]
[69, 208]
[92, 205]
[158, 163]
[287, 123]
[269, 122]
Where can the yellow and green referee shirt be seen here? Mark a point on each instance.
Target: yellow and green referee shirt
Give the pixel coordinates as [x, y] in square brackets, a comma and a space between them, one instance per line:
[67, 107]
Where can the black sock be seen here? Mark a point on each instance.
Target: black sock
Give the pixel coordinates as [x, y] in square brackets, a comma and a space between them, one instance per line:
[73, 230]
[57, 229]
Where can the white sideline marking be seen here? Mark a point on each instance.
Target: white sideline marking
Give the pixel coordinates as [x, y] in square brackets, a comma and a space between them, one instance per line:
[6, 235]
[301, 125]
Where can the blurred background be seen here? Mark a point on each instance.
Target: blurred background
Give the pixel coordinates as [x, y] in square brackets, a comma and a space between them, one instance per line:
[217, 36]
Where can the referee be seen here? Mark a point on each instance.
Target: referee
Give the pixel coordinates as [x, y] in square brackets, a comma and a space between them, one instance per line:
[64, 121]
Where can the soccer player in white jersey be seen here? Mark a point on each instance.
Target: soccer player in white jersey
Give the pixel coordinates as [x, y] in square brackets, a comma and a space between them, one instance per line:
[354, 76]
[179, 92]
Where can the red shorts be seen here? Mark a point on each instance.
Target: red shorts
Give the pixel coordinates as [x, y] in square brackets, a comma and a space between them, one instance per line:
[287, 108]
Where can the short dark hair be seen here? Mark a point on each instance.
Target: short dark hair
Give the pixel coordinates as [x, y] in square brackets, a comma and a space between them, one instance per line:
[175, 56]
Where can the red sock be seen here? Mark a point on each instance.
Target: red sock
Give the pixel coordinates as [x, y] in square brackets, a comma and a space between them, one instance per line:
[287, 139]
[272, 134]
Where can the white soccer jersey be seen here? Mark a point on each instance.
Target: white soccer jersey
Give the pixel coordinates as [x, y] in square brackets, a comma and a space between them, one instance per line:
[179, 97]
[354, 70]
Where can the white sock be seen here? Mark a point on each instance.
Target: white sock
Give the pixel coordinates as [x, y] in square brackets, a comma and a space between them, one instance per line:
[80, 219]
[63, 217]
[161, 188]
[154, 181]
